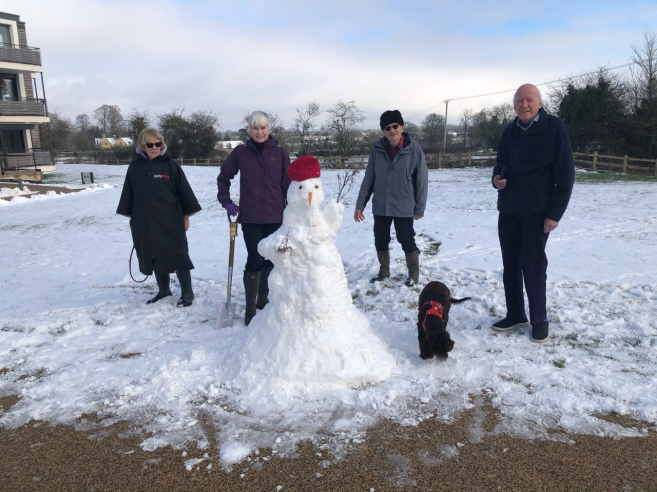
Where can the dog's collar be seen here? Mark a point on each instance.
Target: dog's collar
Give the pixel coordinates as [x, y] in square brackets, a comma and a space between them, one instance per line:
[436, 309]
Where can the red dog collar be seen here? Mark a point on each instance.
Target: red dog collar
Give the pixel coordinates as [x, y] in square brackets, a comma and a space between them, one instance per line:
[435, 309]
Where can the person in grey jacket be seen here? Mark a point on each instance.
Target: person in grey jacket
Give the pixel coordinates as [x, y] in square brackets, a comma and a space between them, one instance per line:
[397, 180]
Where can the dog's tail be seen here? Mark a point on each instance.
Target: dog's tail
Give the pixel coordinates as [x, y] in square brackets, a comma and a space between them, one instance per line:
[456, 301]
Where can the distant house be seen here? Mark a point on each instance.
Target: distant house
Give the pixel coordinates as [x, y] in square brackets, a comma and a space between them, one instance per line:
[105, 143]
[228, 144]
[22, 108]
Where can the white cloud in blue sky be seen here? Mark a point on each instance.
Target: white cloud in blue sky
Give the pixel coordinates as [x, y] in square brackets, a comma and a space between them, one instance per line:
[236, 56]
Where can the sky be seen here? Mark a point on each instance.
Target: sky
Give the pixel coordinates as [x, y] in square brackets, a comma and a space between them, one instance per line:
[235, 57]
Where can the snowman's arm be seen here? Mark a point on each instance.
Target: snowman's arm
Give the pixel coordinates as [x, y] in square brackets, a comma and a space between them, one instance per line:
[275, 247]
[333, 216]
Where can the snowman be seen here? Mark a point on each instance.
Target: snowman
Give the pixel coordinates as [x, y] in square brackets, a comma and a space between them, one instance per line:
[310, 335]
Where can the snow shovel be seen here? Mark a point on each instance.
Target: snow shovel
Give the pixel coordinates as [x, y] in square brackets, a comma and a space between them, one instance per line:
[227, 310]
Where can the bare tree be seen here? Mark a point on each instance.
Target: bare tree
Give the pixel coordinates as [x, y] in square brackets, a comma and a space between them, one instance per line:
[643, 84]
[433, 127]
[342, 121]
[466, 121]
[110, 119]
[82, 123]
[304, 127]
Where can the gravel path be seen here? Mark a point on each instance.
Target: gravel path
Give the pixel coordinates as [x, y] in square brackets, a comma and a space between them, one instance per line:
[431, 456]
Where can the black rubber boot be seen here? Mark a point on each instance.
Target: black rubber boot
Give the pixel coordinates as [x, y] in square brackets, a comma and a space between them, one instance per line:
[251, 285]
[162, 280]
[413, 264]
[384, 269]
[263, 288]
[186, 292]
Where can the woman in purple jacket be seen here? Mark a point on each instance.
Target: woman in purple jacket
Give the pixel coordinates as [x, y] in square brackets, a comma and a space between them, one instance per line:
[262, 164]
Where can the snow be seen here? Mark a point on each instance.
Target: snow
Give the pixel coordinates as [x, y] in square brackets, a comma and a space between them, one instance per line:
[76, 337]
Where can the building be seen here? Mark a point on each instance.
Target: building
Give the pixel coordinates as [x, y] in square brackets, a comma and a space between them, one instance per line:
[105, 143]
[228, 144]
[22, 104]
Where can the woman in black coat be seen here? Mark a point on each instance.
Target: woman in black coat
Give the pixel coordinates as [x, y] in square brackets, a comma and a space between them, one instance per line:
[159, 200]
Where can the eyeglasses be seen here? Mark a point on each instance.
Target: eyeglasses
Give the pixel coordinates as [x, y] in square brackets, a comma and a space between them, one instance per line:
[157, 144]
[394, 127]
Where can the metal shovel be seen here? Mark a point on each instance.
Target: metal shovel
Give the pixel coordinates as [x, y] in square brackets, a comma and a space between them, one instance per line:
[227, 310]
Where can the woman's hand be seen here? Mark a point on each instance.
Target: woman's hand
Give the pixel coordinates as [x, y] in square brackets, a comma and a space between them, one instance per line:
[186, 222]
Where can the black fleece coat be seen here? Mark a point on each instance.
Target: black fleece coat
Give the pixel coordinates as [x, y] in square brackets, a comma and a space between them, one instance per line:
[538, 166]
[157, 196]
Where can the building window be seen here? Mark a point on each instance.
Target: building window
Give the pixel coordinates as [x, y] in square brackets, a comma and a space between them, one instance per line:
[8, 88]
[14, 140]
[5, 40]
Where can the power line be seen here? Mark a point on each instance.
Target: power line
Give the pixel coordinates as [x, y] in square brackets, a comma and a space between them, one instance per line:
[412, 117]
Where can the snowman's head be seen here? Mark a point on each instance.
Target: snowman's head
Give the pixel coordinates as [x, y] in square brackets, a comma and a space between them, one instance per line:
[306, 188]
[305, 194]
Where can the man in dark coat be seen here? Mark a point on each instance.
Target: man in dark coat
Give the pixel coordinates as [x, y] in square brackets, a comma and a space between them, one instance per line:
[398, 178]
[159, 200]
[534, 177]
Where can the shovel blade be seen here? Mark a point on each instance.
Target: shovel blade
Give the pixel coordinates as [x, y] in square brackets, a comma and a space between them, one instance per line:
[226, 316]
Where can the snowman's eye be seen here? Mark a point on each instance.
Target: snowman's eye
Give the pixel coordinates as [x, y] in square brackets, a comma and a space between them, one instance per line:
[300, 187]
[317, 187]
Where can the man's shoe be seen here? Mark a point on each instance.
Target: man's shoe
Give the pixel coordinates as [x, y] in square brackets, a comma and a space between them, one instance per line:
[160, 295]
[541, 332]
[184, 302]
[507, 324]
[410, 282]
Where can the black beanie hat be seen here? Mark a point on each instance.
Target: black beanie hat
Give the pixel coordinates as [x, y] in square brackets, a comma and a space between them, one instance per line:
[389, 117]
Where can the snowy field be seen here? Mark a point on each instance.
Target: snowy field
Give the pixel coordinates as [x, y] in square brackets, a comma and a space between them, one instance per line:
[76, 337]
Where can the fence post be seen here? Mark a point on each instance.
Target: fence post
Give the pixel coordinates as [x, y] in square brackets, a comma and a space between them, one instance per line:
[625, 165]
[194, 160]
[339, 162]
[594, 165]
[182, 161]
[440, 160]
[656, 168]
[469, 158]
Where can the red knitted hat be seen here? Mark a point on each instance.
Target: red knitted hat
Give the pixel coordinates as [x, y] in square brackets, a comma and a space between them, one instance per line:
[303, 168]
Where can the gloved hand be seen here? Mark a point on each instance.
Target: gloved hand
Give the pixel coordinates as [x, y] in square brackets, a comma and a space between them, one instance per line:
[231, 208]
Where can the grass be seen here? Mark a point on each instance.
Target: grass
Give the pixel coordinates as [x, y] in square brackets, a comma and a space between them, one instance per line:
[604, 178]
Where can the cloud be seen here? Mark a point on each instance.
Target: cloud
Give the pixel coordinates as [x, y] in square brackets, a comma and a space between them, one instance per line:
[277, 57]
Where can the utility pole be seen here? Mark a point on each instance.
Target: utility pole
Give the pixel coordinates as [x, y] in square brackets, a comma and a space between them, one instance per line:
[445, 133]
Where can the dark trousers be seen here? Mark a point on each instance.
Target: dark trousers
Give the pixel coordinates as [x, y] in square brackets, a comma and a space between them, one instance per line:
[403, 228]
[253, 234]
[523, 255]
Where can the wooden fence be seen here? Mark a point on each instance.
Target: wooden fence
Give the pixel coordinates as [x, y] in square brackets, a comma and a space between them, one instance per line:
[595, 162]
[611, 163]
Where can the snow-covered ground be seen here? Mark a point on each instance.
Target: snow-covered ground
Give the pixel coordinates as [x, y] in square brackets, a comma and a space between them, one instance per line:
[76, 336]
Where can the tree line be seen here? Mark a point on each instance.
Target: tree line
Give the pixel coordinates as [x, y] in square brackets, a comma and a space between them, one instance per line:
[605, 112]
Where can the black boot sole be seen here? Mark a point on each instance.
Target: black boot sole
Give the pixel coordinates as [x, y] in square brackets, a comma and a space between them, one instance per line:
[157, 298]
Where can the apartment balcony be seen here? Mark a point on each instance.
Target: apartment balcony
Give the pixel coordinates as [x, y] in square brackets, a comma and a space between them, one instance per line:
[28, 160]
[25, 55]
[23, 107]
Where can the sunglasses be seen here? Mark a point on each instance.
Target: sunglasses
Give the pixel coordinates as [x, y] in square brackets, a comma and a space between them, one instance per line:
[157, 144]
[394, 127]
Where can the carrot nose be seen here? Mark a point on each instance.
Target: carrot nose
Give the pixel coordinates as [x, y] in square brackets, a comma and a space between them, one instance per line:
[310, 198]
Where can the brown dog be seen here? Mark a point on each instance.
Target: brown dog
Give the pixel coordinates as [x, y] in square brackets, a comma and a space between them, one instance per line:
[433, 315]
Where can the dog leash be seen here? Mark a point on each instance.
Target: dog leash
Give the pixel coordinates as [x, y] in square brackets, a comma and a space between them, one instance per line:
[130, 268]
[435, 309]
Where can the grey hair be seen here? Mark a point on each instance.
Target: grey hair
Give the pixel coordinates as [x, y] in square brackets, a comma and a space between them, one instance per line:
[259, 118]
[513, 101]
